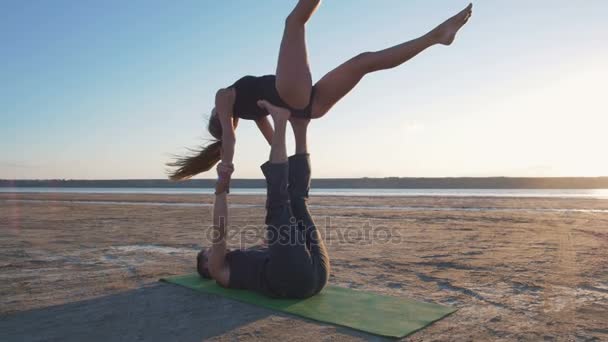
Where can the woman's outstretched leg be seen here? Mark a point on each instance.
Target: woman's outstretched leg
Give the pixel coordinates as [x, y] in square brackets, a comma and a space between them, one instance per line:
[294, 82]
[338, 82]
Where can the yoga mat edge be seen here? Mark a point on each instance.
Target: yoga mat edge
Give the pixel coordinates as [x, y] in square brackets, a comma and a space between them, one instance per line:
[311, 308]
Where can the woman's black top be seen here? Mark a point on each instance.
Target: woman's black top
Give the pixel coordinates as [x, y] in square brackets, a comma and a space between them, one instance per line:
[251, 89]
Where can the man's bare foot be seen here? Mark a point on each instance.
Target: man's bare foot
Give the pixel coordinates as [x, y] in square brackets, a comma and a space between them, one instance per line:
[278, 113]
[300, 123]
[446, 32]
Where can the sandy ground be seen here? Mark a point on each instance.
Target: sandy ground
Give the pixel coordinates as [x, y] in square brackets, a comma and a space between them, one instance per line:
[85, 267]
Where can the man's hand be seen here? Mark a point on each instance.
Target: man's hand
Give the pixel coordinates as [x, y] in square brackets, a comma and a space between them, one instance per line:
[224, 173]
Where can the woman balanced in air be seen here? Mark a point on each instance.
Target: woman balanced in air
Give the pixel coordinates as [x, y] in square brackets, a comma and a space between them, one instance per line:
[291, 87]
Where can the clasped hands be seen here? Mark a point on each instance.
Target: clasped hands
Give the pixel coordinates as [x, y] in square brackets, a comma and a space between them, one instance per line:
[224, 173]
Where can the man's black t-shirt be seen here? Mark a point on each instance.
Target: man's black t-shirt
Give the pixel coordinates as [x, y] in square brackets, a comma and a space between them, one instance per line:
[248, 270]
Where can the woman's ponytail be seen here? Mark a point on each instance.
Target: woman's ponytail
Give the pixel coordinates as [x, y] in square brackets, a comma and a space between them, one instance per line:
[200, 160]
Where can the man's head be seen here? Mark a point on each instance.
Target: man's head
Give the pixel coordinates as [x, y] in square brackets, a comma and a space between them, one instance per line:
[202, 263]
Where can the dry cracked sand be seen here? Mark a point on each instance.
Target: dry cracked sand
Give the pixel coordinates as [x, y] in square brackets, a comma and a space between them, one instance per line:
[85, 266]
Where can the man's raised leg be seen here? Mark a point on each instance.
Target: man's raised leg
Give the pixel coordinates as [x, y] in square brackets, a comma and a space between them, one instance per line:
[299, 186]
[276, 169]
[289, 270]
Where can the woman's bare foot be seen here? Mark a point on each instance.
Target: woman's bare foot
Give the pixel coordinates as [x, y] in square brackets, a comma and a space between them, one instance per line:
[278, 113]
[446, 32]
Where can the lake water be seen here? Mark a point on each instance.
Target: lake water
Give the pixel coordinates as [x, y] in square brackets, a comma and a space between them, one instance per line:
[565, 193]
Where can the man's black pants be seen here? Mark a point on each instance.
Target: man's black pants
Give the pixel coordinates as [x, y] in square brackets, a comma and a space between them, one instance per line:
[299, 263]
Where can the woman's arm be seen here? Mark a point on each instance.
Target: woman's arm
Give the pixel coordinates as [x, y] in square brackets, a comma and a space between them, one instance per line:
[266, 128]
[224, 103]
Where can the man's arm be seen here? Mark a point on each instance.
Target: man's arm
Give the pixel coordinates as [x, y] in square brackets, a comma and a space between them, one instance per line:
[218, 268]
[266, 128]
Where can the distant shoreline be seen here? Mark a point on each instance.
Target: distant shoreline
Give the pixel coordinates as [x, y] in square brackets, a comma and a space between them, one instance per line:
[336, 183]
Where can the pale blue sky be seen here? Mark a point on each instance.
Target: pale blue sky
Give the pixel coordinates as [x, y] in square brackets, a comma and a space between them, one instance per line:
[110, 89]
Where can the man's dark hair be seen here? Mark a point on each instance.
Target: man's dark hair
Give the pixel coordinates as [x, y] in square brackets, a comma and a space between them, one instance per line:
[201, 260]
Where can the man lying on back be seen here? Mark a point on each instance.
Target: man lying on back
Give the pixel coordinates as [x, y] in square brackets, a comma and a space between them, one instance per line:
[295, 264]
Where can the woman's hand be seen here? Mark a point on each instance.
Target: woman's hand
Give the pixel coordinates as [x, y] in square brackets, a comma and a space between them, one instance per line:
[224, 174]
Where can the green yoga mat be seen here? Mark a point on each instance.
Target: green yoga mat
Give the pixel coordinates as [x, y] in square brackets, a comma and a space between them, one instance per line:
[365, 311]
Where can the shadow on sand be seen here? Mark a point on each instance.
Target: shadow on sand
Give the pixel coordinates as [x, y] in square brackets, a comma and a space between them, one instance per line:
[159, 312]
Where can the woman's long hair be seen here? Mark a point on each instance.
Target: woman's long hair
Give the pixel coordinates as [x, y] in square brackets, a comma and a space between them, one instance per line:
[202, 159]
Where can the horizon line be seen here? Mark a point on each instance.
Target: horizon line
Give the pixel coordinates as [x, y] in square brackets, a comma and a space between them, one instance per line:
[318, 178]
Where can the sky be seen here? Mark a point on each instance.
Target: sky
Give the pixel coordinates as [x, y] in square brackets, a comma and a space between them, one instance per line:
[112, 89]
